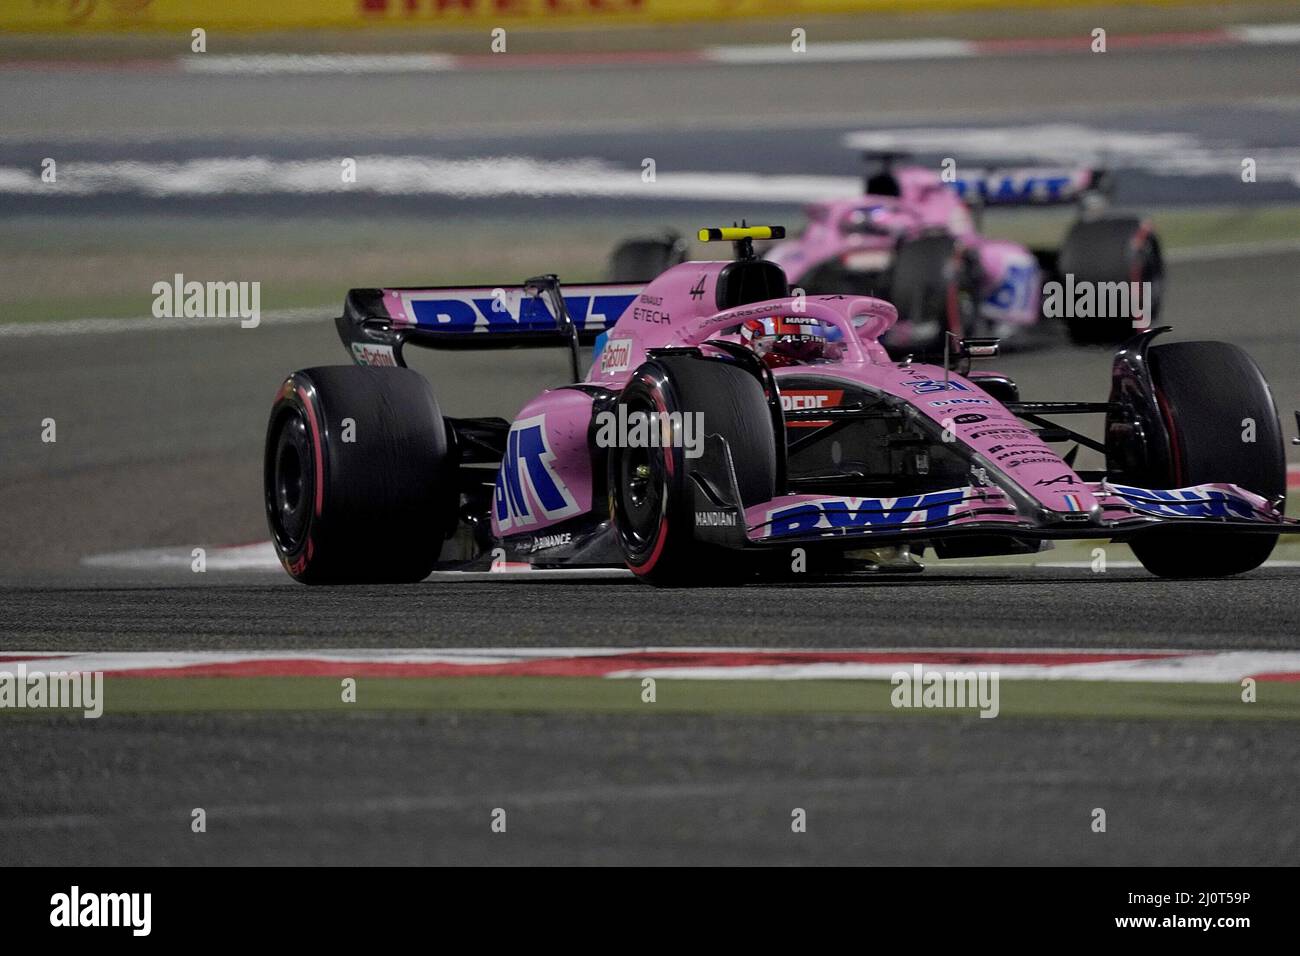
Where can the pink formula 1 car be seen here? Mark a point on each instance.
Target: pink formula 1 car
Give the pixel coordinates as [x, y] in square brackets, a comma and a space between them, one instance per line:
[914, 239]
[728, 430]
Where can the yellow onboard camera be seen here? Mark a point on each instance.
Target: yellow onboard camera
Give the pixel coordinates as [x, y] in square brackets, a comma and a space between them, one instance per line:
[740, 233]
[743, 236]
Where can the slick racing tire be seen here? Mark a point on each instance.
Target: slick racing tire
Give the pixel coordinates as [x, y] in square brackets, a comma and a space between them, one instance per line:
[652, 498]
[357, 480]
[643, 259]
[935, 289]
[1206, 391]
[1123, 249]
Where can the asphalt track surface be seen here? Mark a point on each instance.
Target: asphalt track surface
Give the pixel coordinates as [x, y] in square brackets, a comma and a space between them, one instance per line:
[645, 790]
[1001, 607]
[159, 444]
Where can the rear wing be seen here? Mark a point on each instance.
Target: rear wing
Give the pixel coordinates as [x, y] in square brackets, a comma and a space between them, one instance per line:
[377, 323]
[1033, 186]
[1001, 185]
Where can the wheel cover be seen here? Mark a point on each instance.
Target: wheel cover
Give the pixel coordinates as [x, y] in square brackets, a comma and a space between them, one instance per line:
[639, 495]
[292, 482]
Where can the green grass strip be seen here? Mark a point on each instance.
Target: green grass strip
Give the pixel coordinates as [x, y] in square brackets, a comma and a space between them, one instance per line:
[1018, 698]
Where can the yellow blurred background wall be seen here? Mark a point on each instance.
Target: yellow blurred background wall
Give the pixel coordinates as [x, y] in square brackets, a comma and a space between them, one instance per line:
[43, 16]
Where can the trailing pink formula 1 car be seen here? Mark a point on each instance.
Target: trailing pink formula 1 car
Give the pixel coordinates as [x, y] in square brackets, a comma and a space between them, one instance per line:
[728, 430]
[914, 239]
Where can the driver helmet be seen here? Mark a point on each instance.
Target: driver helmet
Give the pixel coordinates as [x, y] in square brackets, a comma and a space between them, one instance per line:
[781, 340]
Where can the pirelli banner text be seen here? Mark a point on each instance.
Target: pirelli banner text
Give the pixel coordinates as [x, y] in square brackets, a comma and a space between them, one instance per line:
[46, 16]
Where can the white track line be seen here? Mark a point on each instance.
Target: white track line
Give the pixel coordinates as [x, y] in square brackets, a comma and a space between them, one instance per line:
[22, 330]
[1239, 250]
[1123, 565]
[781, 54]
[166, 659]
[1162, 153]
[548, 574]
[247, 557]
[272, 63]
[1226, 667]
[484, 177]
[390, 175]
[1267, 33]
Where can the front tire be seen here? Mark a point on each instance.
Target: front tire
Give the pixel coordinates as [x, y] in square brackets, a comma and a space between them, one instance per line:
[356, 475]
[935, 286]
[652, 494]
[1119, 249]
[1207, 391]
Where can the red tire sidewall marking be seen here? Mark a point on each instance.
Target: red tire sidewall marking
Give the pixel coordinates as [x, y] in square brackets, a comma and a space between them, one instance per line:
[318, 478]
[299, 564]
[648, 565]
[1175, 452]
[1135, 270]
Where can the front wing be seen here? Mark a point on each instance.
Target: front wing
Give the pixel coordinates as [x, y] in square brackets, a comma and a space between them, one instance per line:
[1122, 511]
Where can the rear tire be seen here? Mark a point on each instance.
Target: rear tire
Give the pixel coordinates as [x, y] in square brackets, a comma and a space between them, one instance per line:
[357, 476]
[644, 259]
[1121, 249]
[652, 496]
[1206, 390]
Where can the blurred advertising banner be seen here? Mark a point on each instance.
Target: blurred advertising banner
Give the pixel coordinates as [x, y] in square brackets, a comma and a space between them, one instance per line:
[96, 15]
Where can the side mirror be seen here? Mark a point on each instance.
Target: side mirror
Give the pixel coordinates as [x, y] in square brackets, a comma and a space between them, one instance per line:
[979, 348]
[958, 353]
